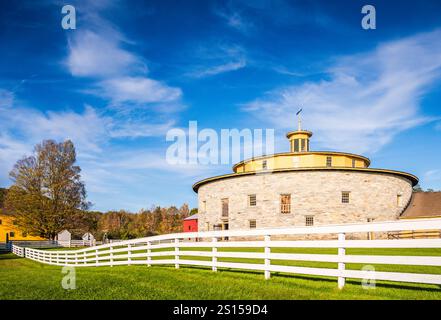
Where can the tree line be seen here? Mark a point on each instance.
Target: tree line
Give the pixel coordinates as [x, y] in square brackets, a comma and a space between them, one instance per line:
[48, 196]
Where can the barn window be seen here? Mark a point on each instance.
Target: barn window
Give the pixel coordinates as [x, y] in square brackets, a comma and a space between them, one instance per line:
[224, 207]
[12, 234]
[204, 206]
[24, 234]
[285, 203]
[264, 165]
[329, 161]
[353, 163]
[345, 197]
[252, 200]
[14, 222]
[253, 224]
[309, 220]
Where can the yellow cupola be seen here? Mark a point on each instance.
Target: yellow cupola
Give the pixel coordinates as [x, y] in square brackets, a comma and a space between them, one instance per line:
[300, 157]
[299, 139]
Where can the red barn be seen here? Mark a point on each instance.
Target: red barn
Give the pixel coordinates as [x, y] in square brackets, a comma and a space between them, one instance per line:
[190, 224]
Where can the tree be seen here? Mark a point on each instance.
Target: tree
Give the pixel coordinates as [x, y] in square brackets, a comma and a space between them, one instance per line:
[3, 193]
[417, 188]
[47, 194]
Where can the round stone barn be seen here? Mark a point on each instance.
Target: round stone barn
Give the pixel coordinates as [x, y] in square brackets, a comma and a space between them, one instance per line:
[302, 188]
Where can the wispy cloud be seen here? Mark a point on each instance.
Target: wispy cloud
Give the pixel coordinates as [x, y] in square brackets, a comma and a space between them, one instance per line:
[234, 18]
[214, 70]
[94, 134]
[218, 58]
[432, 175]
[368, 99]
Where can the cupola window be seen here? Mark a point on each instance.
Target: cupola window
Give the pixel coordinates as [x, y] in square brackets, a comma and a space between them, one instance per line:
[329, 161]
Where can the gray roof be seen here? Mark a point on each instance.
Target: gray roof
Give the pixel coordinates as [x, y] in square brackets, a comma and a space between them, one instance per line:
[423, 205]
[193, 217]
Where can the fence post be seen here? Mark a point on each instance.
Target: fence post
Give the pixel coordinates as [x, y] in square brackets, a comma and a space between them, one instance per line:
[214, 254]
[111, 256]
[129, 254]
[76, 258]
[267, 240]
[84, 257]
[96, 257]
[177, 253]
[149, 252]
[341, 265]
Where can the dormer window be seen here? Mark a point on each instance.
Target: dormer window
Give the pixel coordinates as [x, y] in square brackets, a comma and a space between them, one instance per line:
[264, 165]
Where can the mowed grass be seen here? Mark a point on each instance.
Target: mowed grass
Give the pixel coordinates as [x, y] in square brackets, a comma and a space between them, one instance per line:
[25, 279]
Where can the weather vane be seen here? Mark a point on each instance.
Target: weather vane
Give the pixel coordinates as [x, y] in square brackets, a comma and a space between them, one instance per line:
[299, 119]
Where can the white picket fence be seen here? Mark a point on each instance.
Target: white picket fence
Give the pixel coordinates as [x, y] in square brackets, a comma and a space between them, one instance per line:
[145, 251]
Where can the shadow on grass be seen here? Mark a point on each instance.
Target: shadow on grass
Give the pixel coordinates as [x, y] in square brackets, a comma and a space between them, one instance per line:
[355, 282]
[9, 256]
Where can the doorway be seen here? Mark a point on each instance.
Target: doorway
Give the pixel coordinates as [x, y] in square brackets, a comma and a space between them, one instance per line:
[225, 227]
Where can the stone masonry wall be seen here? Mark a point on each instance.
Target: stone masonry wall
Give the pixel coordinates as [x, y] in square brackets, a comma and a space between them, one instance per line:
[313, 193]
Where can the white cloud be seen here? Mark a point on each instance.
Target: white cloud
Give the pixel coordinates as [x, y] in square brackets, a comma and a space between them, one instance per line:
[368, 99]
[97, 55]
[102, 53]
[138, 90]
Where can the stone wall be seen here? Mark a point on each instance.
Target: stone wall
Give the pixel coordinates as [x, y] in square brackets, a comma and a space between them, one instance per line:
[313, 193]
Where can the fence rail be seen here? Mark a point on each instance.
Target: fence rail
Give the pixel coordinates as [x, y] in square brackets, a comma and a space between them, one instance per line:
[178, 249]
[415, 234]
[5, 246]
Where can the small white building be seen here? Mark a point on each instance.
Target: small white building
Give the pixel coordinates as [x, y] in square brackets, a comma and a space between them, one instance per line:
[88, 237]
[64, 236]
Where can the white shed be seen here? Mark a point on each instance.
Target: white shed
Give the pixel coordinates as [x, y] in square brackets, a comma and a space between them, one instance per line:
[64, 236]
[88, 237]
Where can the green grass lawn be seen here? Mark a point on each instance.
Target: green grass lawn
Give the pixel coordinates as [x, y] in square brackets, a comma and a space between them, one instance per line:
[25, 279]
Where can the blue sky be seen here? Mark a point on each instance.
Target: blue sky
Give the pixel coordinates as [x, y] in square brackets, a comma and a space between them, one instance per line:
[132, 70]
